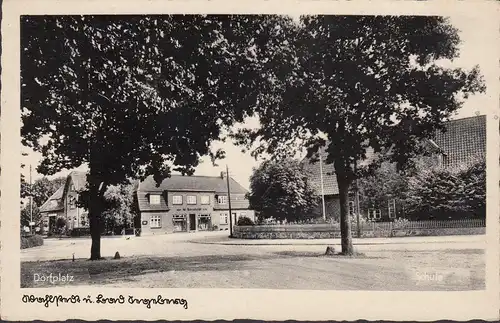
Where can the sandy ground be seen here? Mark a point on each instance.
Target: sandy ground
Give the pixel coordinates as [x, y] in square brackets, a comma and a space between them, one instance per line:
[208, 260]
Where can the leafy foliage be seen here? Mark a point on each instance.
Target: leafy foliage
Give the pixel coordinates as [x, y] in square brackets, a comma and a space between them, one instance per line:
[245, 221]
[26, 215]
[442, 193]
[134, 96]
[119, 213]
[360, 82]
[384, 185]
[31, 241]
[281, 189]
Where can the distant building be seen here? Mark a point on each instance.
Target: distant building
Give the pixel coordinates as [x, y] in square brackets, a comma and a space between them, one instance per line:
[463, 140]
[179, 204]
[62, 204]
[190, 203]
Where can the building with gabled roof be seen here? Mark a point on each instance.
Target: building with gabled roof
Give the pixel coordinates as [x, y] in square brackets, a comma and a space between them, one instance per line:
[63, 204]
[190, 203]
[462, 142]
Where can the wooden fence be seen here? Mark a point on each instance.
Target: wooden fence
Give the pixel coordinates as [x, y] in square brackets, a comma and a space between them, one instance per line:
[406, 225]
[367, 229]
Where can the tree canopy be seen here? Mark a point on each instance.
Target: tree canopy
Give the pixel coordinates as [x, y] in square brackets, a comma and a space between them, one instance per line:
[120, 210]
[134, 96]
[281, 189]
[364, 82]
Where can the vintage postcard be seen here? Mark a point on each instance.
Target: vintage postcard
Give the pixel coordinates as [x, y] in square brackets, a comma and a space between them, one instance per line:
[307, 160]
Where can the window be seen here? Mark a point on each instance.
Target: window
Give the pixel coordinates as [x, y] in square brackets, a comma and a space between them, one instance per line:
[191, 199]
[222, 199]
[223, 218]
[155, 221]
[205, 199]
[351, 208]
[177, 199]
[154, 199]
[72, 202]
[392, 209]
[374, 214]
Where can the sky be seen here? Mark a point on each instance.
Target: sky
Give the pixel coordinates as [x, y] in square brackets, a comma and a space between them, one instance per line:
[474, 50]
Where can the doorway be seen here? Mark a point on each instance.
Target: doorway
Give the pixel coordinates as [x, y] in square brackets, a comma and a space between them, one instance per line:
[192, 222]
[52, 224]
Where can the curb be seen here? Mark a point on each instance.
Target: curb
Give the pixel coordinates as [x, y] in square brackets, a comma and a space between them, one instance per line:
[222, 243]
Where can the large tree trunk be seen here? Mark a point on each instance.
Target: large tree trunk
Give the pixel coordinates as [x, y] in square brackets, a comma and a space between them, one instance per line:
[345, 221]
[95, 217]
[95, 233]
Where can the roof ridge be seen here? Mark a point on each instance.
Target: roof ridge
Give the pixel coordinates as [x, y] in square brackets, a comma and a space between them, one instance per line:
[465, 118]
[52, 196]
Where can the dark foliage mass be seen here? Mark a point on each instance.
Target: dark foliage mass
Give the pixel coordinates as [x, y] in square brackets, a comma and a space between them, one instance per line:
[281, 189]
[448, 193]
[360, 83]
[136, 96]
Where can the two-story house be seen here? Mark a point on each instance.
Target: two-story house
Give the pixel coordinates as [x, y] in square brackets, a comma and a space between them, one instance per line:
[190, 203]
[461, 142]
[62, 204]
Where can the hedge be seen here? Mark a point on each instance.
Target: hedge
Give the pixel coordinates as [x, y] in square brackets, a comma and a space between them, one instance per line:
[31, 241]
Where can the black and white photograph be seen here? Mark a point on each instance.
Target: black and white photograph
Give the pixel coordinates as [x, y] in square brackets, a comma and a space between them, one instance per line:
[261, 151]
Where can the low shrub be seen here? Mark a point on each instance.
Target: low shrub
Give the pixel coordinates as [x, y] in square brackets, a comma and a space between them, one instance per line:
[245, 221]
[80, 232]
[31, 241]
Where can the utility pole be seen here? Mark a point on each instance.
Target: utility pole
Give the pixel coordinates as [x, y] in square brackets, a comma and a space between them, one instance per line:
[322, 185]
[229, 202]
[31, 204]
[357, 200]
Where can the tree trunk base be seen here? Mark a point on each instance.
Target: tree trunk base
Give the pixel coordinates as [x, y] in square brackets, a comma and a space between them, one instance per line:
[99, 258]
[330, 251]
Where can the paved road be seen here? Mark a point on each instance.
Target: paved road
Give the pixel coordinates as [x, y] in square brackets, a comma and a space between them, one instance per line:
[217, 243]
[206, 260]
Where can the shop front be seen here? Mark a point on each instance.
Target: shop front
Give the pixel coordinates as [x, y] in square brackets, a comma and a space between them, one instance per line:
[180, 222]
[192, 222]
[204, 222]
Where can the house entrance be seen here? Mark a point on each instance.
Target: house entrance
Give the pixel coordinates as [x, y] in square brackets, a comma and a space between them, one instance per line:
[192, 222]
[52, 224]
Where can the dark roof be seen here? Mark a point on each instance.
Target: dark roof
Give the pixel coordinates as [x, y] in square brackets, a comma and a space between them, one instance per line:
[54, 202]
[192, 183]
[180, 183]
[238, 202]
[464, 139]
[330, 186]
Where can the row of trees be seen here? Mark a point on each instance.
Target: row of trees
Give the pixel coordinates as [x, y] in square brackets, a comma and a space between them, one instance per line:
[282, 189]
[143, 95]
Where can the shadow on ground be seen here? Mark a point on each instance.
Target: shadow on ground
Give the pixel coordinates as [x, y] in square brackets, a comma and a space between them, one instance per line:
[84, 271]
